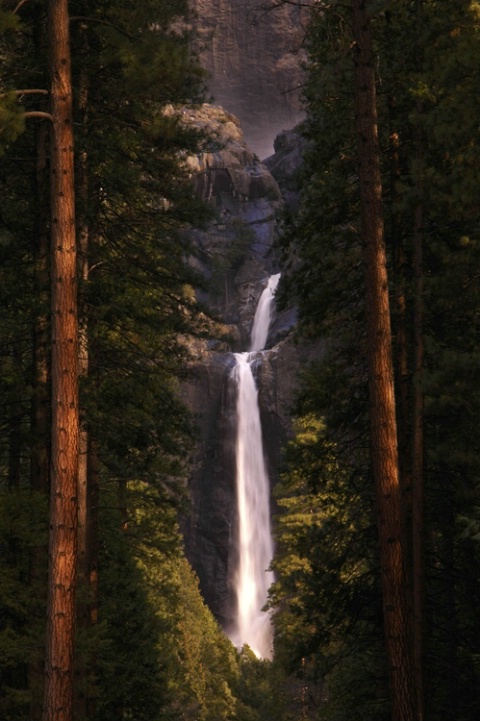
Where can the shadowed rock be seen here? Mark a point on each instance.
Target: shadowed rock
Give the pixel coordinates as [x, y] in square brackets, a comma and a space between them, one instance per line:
[236, 254]
[254, 60]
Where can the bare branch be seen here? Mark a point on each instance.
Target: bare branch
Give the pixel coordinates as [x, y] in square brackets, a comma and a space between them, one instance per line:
[29, 91]
[22, 2]
[38, 114]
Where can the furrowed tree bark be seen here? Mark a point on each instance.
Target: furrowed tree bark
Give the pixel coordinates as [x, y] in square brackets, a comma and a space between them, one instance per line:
[58, 694]
[380, 369]
[88, 459]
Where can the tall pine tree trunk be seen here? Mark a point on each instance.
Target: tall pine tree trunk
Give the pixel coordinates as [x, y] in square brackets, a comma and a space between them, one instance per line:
[40, 414]
[418, 408]
[380, 369]
[417, 471]
[88, 462]
[40, 405]
[58, 694]
[15, 431]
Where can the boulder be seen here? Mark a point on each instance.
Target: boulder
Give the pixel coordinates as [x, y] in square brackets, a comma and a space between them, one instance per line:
[285, 164]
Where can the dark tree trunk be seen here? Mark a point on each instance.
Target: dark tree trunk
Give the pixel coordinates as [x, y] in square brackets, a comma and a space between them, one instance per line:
[40, 457]
[15, 436]
[380, 368]
[418, 413]
[58, 694]
[40, 408]
[417, 471]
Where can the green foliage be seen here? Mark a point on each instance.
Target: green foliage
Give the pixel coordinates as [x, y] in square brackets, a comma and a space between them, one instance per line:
[8, 21]
[326, 595]
[19, 71]
[12, 122]
[428, 66]
[131, 661]
[261, 689]
[161, 653]
[23, 530]
[204, 688]
[324, 236]
[236, 238]
[135, 305]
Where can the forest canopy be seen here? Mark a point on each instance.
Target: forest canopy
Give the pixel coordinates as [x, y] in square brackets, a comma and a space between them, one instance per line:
[420, 63]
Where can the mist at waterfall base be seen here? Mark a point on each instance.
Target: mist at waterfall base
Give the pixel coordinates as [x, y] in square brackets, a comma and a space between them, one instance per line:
[255, 546]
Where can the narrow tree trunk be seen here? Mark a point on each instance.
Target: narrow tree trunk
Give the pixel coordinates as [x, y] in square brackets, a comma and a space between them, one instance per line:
[380, 368]
[40, 457]
[399, 311]
[417, 472]
[40, 408]
[15, 434]
[92, 555]
[58, 695]
[88, 472]
[418, 406]
[445, 607]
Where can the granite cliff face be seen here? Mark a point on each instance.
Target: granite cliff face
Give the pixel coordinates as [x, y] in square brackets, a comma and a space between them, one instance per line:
[254, 60]
[237, 255]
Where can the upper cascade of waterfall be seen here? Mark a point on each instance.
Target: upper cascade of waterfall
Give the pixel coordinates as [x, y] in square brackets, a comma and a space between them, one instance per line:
[263, 315]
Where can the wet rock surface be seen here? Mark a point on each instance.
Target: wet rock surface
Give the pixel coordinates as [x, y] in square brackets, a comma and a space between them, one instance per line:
[236, 254]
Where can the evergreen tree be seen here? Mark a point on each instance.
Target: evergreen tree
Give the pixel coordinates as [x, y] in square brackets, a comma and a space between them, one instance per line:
[418, 55]
[138, 201]
[63, 520]
[328, 600]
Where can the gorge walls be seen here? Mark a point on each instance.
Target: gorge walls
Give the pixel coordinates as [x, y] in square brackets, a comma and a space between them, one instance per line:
[253, 58]
[237, 255]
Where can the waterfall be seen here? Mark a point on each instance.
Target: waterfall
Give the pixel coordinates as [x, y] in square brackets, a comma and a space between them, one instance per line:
[252, 579]
[261, 322]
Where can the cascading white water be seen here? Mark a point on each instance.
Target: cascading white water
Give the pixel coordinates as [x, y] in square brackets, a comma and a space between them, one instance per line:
[252, 579]
[261, 322]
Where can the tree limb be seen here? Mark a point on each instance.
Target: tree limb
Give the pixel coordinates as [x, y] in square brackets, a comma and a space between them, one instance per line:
[22, 2]
[25, 91]
[38, 114]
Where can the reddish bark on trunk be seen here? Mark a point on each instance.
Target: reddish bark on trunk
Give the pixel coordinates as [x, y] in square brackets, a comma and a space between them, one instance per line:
[58, 695]
[380, 369]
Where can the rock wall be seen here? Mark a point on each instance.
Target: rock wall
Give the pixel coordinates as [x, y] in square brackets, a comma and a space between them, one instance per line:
[236, 254]
[254, 60]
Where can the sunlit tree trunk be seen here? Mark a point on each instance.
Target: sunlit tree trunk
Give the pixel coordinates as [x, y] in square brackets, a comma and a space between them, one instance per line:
[88, 461]
[58, 695]
[380, 369]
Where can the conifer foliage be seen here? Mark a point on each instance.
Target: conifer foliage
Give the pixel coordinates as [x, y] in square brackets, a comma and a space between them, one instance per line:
[424, 59]
[104, 407]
